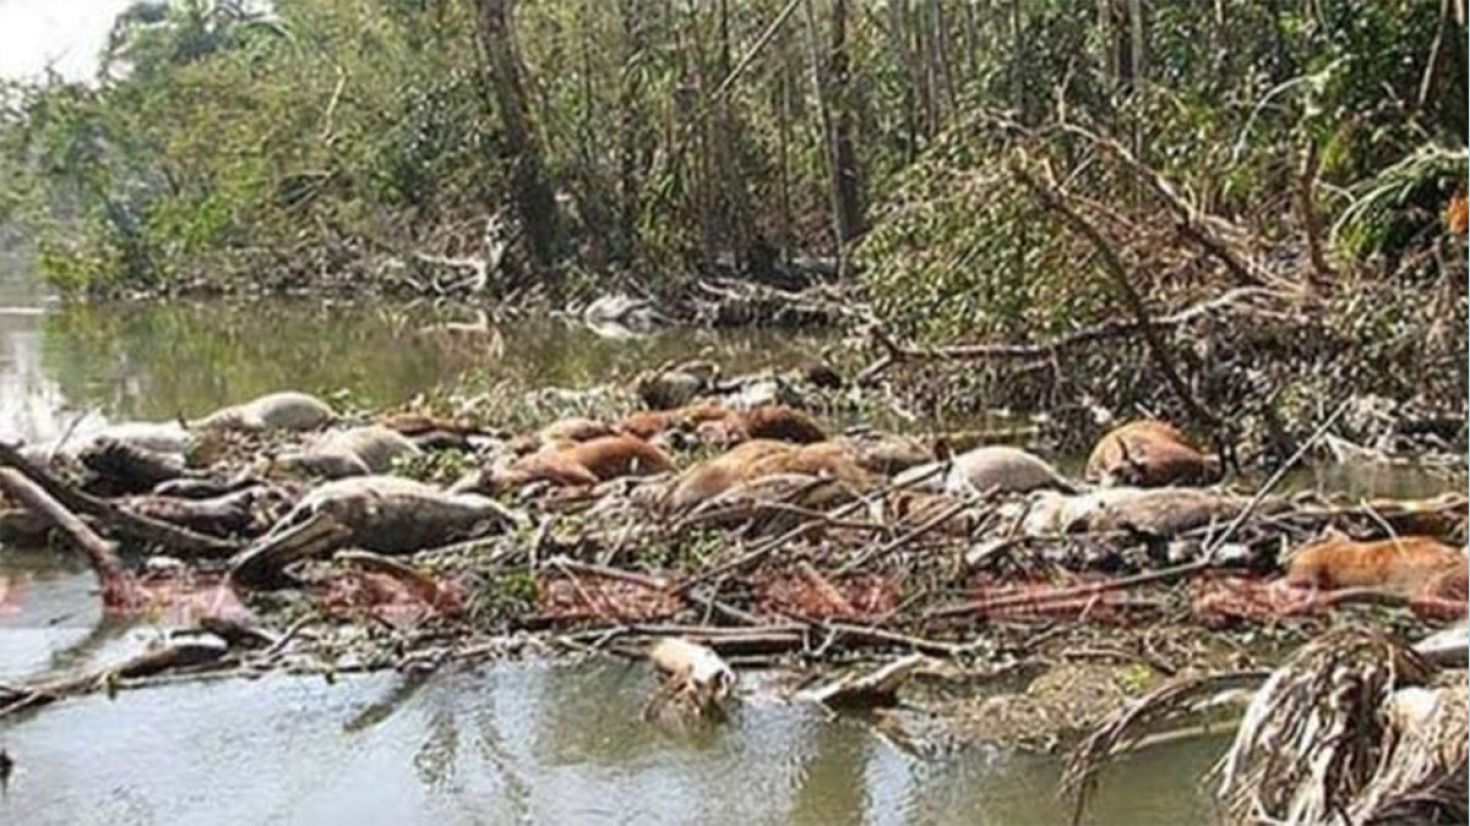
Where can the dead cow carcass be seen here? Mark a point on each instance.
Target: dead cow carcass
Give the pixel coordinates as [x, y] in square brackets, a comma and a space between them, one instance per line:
[390, 514]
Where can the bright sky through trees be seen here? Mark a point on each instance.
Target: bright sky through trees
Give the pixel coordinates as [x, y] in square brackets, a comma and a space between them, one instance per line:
[68, 34]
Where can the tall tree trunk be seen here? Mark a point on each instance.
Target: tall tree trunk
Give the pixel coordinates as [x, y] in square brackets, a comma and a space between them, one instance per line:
[631, 129]
[1105, 29]
[739, 231]
[1018, 63]
[846, 176]
[941, 54]
[972, 44]
[532, 193]
[1135, 43]
[897, 15]
[783, 120]
[829, 133]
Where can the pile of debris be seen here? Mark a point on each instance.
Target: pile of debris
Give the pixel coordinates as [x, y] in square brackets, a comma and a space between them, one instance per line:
[725, 518]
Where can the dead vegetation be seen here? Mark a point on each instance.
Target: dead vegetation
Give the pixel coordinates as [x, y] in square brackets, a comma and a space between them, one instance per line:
[984, 587]
[1352, 728]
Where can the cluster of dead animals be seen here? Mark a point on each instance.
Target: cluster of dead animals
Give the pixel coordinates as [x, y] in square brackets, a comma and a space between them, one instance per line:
[1140, 478]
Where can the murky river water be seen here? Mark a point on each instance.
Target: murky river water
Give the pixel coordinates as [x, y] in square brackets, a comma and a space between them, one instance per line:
[523, 742]
[499, 744]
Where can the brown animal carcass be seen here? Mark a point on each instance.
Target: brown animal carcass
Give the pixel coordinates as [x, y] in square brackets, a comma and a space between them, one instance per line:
[1149, 454]
[1412, 567]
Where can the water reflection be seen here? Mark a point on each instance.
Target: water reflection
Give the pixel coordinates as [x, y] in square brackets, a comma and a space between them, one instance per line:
[49, 612]
[160, 361]
[523, 743]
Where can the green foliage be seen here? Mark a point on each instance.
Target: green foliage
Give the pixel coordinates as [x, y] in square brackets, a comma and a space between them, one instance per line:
[504, 598]
[226, 146]
[436, 466]
[1403, 202]
[1227, 104]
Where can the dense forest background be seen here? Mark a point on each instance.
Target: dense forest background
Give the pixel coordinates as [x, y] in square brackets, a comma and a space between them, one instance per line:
[571, 144]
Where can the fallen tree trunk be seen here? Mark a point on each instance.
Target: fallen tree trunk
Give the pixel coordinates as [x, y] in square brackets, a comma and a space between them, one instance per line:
[878, 687]
[1055, 200]
[171, 537]
[260, 565]
[118, 589]
[170, 657]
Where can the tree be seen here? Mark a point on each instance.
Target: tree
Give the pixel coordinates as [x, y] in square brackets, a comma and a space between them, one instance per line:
[529, 187]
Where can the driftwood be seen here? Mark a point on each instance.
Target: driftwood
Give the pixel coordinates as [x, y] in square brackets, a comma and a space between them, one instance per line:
[131, 466]
[178, 654]
[875, 688]
[171, 537]
[118, 589]
[260, 565]
[764, 639]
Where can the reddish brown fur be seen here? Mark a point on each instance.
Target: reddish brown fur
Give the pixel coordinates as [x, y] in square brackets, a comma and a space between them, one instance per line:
[714, 476]
[777, 421]
[889, 454]
[573, 429]
[645, 424]
[418, 424]
[773, 421]
[1457, 213]
[1411, 566]
[829, 458]
[760, 458]
[1149, 454]
[587, 463]
[609, 457]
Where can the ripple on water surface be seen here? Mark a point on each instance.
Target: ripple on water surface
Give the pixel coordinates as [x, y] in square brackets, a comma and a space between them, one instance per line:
[508, 743]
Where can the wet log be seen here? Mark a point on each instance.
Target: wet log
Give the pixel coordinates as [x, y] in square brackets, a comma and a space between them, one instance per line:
[765, 639]
[118, 588]
[878, 687]
[178, 540]
[169, 657]
[261, 565]
[129, 466]
[175, 655]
